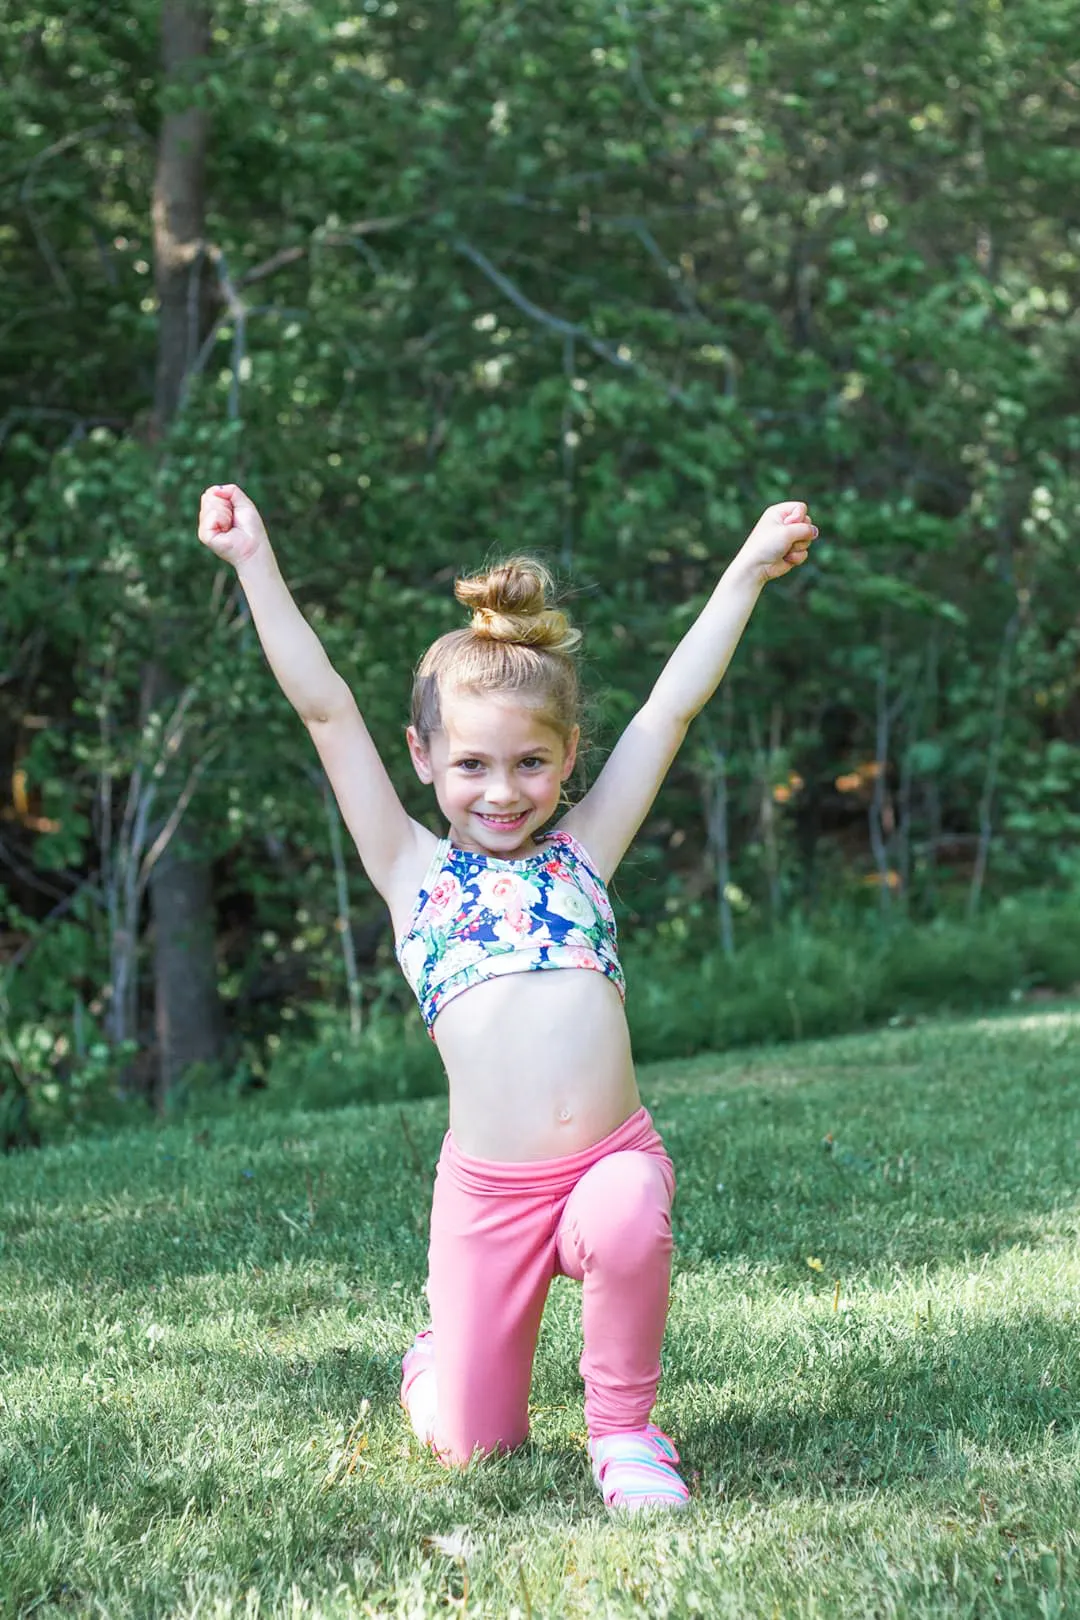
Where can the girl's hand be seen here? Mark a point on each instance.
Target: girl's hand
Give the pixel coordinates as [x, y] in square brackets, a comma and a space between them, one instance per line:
[780, 540]
[230, 525]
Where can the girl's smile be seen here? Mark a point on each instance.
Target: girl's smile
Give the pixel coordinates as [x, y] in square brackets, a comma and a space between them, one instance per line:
[502, 823]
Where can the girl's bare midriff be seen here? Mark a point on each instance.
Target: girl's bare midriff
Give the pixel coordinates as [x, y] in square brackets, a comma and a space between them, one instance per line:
[539, 1064]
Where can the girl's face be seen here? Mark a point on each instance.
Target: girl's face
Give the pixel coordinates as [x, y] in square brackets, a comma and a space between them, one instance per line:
[497, 769]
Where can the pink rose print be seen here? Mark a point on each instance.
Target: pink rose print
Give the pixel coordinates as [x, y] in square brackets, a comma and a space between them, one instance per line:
[595, 892]
[444, 897]
[513, 926]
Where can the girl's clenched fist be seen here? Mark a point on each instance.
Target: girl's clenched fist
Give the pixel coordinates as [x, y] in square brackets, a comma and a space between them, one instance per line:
[230, 525]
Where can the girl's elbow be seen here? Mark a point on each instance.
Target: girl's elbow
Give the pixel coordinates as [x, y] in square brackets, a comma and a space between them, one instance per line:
[329, 709]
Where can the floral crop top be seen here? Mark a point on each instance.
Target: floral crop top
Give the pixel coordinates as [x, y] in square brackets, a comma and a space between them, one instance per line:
[478, 917]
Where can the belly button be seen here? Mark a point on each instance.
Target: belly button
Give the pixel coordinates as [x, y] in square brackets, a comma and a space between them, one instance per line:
[564, 1114]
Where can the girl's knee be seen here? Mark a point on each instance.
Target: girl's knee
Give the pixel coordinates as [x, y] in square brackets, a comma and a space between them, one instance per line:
[629, 1184]
[458, 1444]
[482, 1392]
[624, 1215]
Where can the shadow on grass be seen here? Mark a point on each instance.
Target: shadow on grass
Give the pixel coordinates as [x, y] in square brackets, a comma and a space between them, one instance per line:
[878, 1418]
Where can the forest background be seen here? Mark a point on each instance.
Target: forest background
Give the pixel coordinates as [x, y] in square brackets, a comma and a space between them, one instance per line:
[600, 280]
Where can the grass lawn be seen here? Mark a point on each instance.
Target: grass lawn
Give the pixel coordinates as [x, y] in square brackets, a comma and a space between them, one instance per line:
[872, 1366]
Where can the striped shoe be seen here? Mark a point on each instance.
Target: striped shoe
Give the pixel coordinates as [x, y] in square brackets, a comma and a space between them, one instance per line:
[418, 1386]
[635, 1470]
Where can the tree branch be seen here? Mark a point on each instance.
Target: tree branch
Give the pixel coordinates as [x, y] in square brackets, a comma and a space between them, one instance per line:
[176, 815]
[64, 905]
[555, 323]
[637, 73]
[47, 413]
[344, 925]
[993, 762]
[343, 237]
[684, 294]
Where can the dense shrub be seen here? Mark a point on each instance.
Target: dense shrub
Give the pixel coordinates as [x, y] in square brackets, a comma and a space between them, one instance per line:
[795, 983]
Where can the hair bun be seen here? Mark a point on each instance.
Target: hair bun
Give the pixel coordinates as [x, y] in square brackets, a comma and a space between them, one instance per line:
[510, 603]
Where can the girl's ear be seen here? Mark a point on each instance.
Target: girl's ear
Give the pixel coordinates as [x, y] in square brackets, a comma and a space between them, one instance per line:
[571, 753]
[419, 755]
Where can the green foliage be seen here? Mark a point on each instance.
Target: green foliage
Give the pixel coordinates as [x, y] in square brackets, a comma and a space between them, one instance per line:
[800, 982]
[685, 999]
[845, 973]
[393, 1059]
[595, 282]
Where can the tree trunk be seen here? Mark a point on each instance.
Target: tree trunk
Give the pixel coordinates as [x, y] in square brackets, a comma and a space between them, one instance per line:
[179, 208]
[880, 821]
[764, 760]
[718, 837]
[188, 1015]
[187, 1006]
[993, 763]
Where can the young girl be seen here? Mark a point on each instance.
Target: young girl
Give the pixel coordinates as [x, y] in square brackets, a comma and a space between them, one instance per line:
[551, 1165]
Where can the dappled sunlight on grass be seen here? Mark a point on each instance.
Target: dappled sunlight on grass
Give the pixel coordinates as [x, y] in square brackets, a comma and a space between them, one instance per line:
[871, 1367]
[1050, 1022]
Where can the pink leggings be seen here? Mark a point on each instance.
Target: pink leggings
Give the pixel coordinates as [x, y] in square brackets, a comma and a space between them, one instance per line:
[500, 1233]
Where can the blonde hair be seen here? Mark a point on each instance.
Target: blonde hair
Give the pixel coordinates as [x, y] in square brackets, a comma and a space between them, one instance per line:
[517, 643]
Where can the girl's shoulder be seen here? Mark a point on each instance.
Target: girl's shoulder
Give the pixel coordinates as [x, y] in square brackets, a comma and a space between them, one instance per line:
[565, 839]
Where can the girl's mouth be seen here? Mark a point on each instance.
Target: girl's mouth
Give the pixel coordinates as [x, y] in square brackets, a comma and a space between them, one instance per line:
[502, 823]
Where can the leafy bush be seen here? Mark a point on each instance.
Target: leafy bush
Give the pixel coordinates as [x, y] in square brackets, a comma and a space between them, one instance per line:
[845, 974]
[392, 1059]
[1048, 940]
[948, 965]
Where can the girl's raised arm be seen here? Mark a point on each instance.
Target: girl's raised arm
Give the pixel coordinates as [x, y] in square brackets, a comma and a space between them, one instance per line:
[390, 843]
[611, 812]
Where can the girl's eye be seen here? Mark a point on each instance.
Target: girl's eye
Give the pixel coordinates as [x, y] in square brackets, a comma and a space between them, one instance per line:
[469, 765]
[531, 763]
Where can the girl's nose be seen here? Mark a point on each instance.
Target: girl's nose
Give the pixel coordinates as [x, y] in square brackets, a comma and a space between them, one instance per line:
[500, 792]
